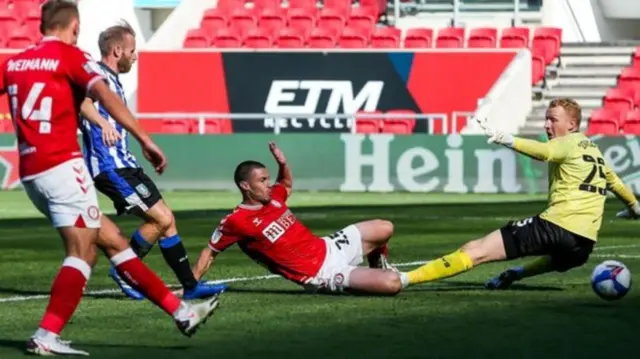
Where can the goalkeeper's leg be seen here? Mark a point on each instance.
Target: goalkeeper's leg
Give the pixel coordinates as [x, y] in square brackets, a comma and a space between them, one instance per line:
[489, 248]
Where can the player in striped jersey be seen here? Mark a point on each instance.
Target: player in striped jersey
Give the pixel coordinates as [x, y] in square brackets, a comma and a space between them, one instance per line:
[117, 174]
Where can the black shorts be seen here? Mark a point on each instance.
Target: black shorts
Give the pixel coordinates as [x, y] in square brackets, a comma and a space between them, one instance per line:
[535, 236]
[129, 189]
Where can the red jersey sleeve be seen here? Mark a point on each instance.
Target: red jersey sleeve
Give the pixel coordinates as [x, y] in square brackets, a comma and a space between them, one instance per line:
[81, 69]
[224, 236]
[279, 193]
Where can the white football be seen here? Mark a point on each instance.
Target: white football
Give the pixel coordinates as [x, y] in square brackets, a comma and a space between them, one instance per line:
[611, 280]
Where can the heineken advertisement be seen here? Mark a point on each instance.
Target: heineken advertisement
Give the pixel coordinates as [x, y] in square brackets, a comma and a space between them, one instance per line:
[348, 162]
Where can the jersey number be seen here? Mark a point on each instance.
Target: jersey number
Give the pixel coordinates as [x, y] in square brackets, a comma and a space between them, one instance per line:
[597, 169]
[29, 111]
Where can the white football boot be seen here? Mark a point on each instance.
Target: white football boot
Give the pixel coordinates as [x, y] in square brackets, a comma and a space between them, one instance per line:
[190, 316]
[50, 345]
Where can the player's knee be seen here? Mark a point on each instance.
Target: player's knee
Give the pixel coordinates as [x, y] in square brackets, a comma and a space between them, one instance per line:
[163, 219]
[393, 284]
[385, 228]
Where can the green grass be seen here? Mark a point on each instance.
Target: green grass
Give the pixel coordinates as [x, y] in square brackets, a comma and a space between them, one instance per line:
[552, 316]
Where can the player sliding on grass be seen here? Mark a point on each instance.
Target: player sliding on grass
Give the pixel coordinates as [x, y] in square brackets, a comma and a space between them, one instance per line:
[564, 234]
[117, 174]
[45, 84]
[268, 232]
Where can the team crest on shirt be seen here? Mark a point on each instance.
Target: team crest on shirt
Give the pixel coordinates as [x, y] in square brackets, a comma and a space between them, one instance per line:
[143, 190]
[257, 221]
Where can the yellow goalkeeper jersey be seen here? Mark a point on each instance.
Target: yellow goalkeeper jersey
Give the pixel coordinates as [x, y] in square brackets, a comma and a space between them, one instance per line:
[578, 182]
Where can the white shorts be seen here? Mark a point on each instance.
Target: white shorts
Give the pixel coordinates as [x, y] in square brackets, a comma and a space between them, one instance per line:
[66, 195]
[344, 254]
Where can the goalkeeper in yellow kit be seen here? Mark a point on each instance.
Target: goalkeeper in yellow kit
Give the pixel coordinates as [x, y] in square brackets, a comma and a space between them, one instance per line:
[564, 234]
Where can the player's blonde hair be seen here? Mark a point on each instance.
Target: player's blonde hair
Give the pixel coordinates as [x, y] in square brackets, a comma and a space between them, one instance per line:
[571, 107]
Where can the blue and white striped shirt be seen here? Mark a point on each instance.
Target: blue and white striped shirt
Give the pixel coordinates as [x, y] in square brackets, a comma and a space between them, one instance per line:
[97, 155]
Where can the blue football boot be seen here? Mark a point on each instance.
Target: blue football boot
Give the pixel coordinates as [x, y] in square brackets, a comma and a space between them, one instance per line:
[124, 286]
[203, 290]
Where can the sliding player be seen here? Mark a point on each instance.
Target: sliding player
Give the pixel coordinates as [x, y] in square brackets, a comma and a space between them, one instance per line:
[564, 234]
[268, 232]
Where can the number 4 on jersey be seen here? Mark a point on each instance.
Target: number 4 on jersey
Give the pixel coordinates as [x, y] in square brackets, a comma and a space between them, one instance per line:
[28, 111]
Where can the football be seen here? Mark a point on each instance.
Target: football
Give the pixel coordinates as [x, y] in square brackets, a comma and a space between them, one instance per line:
[611, 280]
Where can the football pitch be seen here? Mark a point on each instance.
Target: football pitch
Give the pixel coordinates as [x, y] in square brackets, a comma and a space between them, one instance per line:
[553, 316]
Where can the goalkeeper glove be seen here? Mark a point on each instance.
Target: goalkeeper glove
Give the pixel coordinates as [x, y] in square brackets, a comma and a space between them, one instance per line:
[497, 137]
[632, 212]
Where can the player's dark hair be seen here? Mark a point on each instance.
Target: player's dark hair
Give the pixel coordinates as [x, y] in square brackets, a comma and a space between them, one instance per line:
[57, 14]
[114, 35]
[244, 169]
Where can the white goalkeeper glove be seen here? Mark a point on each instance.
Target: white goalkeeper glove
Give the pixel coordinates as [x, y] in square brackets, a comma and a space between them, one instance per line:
[495, 136]
[632, 212]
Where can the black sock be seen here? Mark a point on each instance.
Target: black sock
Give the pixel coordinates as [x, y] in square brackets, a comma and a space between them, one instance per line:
[139, 245]
[176, 256]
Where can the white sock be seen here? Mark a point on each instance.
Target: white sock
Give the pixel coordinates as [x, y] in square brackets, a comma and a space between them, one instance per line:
[44, 334]
[404, 279]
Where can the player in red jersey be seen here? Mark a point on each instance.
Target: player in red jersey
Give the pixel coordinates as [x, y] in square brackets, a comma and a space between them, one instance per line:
[46, 84]
[268, 232]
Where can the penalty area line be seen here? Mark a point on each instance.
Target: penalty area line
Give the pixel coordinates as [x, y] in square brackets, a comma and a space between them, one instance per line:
[23, 298]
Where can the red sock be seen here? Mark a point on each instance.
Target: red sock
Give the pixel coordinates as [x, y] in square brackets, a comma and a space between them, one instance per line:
[138, 275]
[66, 293]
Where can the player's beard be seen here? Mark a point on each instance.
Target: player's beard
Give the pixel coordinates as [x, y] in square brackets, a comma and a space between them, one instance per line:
[124, 65]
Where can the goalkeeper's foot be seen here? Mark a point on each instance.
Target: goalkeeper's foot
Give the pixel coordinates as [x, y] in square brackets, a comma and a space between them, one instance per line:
[504, 280]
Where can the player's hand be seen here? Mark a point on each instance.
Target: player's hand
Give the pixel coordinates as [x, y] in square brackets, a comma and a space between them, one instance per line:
[632, 212]
[109, 135]
[495, 136]
[277, 154]
[154, 154]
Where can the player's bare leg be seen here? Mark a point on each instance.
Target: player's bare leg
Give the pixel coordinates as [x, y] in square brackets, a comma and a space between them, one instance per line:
[489, 248]
[187, 317]
[66, 292]
[375, 281]
[375, 236]
[159, 224]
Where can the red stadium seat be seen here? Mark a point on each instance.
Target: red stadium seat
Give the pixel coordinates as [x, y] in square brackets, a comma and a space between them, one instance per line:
[368, 125]
[266, 4]
[547, 40]
[515, 37]
[21, 8]
[385, 37]
[629, 79]
[602, 128]
[213, 20]
[377, 7]
[301, 19]
[418, 38]
[330, 18]
[32, 23]
[196, 38]
[606, 114]
[343, 5]
[176, 126]
[19, 39]
[227, 38]
[228, 6]
[272, 20]
[322, 39]
[8, 23]
[631, 125]
[352, 39]
[362, 17]
[620, 100]
[303, 4]
[217, 126]
[482, 37]
[257, 38]
[450, 37]
[242, 20]
[399, 125]
[537, 69]
[289, 38]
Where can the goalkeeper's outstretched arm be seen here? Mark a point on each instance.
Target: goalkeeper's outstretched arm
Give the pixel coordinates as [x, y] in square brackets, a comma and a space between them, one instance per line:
[622, 191]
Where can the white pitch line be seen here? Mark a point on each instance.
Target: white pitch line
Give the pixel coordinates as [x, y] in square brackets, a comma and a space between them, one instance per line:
[23, 298]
